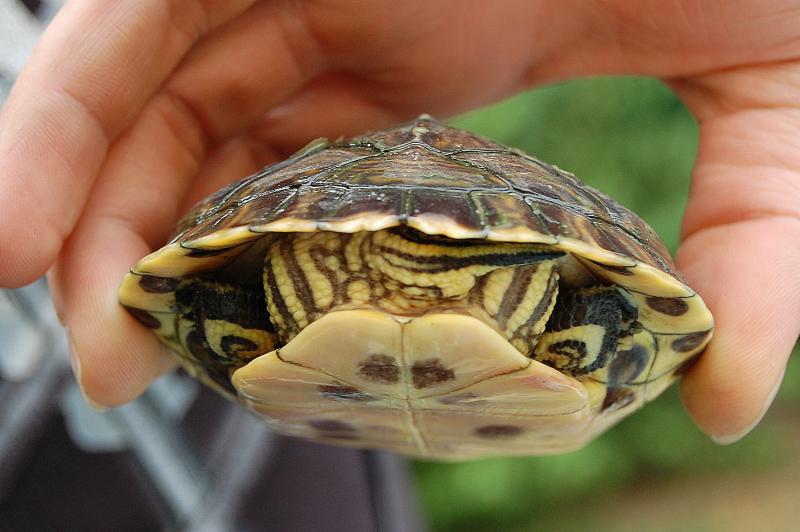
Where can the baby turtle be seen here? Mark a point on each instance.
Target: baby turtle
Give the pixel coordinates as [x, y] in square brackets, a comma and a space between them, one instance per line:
[424, 290]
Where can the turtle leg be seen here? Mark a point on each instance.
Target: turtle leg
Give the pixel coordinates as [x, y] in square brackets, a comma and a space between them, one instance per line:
[222, 326]
[583, 332]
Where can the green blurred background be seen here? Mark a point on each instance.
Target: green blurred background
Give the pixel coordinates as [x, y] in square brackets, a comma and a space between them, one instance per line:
[634, 140]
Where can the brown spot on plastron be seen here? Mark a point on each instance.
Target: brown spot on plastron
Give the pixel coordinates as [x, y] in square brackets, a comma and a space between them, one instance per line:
[330, 425]
[689, 342]
[428, 372]
[618, 398]
[498, 432]
[672, 306]
[143, 317]
[342, 391]
[380, 368]
[157, 285]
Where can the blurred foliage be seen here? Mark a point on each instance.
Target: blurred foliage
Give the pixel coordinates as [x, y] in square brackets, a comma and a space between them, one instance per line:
[632, 139]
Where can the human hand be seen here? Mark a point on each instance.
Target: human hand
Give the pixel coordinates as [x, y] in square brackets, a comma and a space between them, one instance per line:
[129, 112]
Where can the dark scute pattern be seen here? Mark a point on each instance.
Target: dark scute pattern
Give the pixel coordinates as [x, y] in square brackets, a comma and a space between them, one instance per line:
[689, 342]
[617, 398]
[382, 369]
[447, 204]
[686, 365]
[143, 317]
[412, 166]
[635, 225]
[554, 218]
[628, 364]
[671, 306]
[317, 203]
[198, 253]
[507, 211]
[360, 200]
[498, 432]
[157, 285]
[428, 372]
[618, 270]
[263, 208]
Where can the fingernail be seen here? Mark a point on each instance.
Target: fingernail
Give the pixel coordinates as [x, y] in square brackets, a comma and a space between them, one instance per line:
[75, 362]
[728, 439]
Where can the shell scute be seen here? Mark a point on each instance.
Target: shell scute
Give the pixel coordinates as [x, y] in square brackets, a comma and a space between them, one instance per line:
[429, 132]
[446, 204]
[413, 166]
[509, 214]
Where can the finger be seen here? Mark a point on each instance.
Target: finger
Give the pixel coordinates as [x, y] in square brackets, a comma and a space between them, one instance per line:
[88, 78]
[113, 357]
[754, 294]
[229, 82]
[233, 160]
[133, 207]
[396, 56]
[315, 111]
[740, 228]
[234, 76]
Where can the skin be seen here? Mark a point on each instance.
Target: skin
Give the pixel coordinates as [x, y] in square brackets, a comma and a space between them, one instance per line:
[130, 111]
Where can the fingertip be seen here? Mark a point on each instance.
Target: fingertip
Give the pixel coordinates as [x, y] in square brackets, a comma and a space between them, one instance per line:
[122, 370]
[27, 249]
[115, 358]
[726, 409]
[753, 293]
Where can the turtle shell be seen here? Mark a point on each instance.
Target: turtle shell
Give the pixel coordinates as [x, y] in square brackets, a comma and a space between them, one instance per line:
[443, 181]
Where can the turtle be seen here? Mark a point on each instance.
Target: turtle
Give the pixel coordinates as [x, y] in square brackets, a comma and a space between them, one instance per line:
[423, 290]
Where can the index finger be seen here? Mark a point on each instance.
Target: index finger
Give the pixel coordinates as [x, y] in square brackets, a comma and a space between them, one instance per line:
[94, 69]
